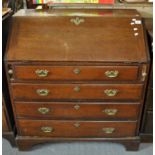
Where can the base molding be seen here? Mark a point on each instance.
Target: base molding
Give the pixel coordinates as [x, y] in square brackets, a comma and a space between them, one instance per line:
[10, 137]
[146, 138]
[25, 143]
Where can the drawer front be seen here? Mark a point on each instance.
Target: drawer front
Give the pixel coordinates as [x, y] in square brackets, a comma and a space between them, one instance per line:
[72, 110]
[76, 91]
[76, 72]
[52, 128]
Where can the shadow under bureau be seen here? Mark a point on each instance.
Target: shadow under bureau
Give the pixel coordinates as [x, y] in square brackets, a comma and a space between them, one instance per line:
[77, 75]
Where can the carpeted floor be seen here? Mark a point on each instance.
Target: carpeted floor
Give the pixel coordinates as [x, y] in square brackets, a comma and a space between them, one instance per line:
[84, 148]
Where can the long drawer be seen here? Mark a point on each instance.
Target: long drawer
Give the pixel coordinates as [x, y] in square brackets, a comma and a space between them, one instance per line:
[23, 91]
[49, 128]
[38, 72]
[73, 110]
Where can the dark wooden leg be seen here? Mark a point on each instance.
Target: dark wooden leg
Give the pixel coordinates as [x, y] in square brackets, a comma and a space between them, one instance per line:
[27, 144]
[10, 137]
[146, 138]
[132, 146]
[24, 145]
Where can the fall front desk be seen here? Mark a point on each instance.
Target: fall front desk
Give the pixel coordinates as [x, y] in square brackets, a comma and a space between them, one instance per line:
[77, 75]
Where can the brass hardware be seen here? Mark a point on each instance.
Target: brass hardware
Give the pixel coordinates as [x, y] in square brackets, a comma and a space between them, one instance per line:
[10, 72]
[76, 107]
[108, 130]
[76, 71]
[41, 72]
[43, 110]
[111, 92]
[144, 72]
[77, 125]
[136, 34]
[42, 92]
[138, 22]
[47, 129]
[112, 74]
[77, 89]
[110, 112]
[135, 28]
[77, 21]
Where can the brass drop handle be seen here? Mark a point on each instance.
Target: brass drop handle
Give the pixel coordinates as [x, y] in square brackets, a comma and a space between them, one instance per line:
[41, 72]
[76, 107]
[77, 89]
[111, 74]
[47, 129]
[43, 110]
[42, 92]
[77, 125]
[108, 130]
[76, 71]
[110, 112]
[111, 92]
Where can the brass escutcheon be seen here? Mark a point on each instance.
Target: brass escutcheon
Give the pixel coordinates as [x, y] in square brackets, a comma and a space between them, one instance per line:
[76, 71]
[76, 107]
[77, 125]
[77, 20]
[77, 89]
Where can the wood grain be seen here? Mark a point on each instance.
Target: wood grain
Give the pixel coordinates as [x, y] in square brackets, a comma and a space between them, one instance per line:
[23, 91]
[104, 40]
[64, 41]
[68, 72]
[81, 110]
[67, 128]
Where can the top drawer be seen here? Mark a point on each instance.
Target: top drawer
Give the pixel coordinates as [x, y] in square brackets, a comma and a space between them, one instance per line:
[38, 72]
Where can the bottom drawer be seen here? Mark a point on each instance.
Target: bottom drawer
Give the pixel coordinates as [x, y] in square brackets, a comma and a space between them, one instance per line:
[53, 128]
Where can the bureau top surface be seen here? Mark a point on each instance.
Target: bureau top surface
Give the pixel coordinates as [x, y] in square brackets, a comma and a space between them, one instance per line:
[77, 35]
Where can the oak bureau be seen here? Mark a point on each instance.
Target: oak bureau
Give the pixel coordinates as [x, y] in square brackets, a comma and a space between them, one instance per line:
[77, 75]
